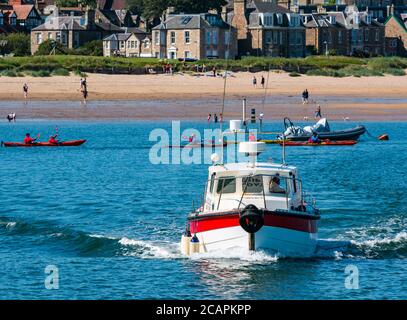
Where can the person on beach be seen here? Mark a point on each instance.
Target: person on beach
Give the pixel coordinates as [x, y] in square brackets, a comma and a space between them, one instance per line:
[263, 82]
[221, 117]
[305, 96]
[52, 139]
[25, 90]
[255, 82]
[318, 112]
[214, 72]
[28, 139]
[215, 118]
[84, 94]
[209, 117]
[11, 117]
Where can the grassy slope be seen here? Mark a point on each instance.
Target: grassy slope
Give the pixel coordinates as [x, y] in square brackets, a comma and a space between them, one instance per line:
[336, 66]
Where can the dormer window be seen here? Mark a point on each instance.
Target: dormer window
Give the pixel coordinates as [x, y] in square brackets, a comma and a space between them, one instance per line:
[356, 19]
[332, 19]
[13, 21]
[293, 21]
[368, 19]
[279, 18]
[268, 20]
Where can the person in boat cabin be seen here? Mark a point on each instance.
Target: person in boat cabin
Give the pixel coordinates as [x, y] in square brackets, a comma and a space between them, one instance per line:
[28, 139]
[53, 139]
[314, 138]
[275, 185]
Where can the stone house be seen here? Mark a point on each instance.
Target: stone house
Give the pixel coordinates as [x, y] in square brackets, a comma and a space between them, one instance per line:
[128, 45]
[396, 35]
[365, 33]
[267, 29]
[194, 36]
[71, 31]
[324, 34]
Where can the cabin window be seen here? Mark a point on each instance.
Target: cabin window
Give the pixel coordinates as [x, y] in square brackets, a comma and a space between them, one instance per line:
[226, 185]
[252, 184]
[278, 185]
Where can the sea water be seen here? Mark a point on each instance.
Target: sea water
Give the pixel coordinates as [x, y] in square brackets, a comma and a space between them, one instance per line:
[109, 222]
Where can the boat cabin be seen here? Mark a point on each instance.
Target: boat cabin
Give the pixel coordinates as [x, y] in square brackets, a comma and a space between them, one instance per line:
[267, 186]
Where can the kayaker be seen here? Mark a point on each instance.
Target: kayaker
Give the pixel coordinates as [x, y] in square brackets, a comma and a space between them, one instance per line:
[314, 138]
[28, 139]
[275, 185]
[53, 139]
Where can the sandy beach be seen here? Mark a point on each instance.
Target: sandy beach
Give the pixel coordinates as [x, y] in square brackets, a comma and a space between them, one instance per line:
[193, 97]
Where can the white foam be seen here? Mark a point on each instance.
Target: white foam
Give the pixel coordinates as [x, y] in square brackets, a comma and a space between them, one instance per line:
[152, 250]
[399, 237]
[237, 253]
[10, 225]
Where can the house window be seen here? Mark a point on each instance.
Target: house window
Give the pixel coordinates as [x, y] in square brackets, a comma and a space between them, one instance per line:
[393, 43]
[107, 44]
[275, 37]
[146, 43]
[1, 20]
[340, 37]
[215, 37]
[366, 35]
[122, 45]
[76, 39]
[227, 38]
[187, 37]
[64, 38]
[58, 37]
[172, 34]
[13, 21]
[208, 37]
[269, 37]
[187, 54]
[299, 38]
[49, 35]
[377, 35]
[279, 18]
[368, 19]
[38, 37]
[268, 20]
[157, 38]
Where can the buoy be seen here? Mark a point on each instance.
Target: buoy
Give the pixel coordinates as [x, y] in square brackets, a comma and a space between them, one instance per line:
[185, 240]
[384, 137]
[194, 245]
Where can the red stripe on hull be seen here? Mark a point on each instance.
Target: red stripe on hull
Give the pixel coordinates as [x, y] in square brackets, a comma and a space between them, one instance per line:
[270, 220]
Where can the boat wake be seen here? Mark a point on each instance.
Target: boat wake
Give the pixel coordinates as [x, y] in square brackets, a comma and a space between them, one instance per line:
[379, 246]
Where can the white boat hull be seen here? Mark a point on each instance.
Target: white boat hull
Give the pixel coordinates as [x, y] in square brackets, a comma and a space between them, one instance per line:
[280, 241]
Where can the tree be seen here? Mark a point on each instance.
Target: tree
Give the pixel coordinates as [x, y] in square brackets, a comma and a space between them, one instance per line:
[48, 47]
[15, 43]
[153, 9]
[66, 3]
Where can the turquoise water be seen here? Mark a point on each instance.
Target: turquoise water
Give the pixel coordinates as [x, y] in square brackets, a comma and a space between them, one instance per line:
[111, 221]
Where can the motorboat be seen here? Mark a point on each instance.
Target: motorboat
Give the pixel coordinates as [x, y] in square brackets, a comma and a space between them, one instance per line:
[295, 133]
[255, 206]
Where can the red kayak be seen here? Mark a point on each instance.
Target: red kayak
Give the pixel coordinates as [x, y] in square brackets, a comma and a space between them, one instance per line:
[322, 143]
[72, 143]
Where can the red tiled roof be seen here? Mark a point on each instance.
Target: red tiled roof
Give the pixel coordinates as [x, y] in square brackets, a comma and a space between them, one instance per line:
[22, 11]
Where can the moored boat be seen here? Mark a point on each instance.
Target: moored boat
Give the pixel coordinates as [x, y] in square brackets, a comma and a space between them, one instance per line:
[296, 133]
[253, 206]
[72, 143]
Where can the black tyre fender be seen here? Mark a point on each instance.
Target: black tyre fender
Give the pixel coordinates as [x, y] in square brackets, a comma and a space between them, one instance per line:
[251, 219]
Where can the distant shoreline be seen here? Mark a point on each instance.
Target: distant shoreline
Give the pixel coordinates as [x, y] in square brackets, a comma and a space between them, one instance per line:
[169, 97]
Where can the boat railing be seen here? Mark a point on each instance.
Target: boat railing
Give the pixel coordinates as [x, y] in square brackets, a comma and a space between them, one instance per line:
[293, 186]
